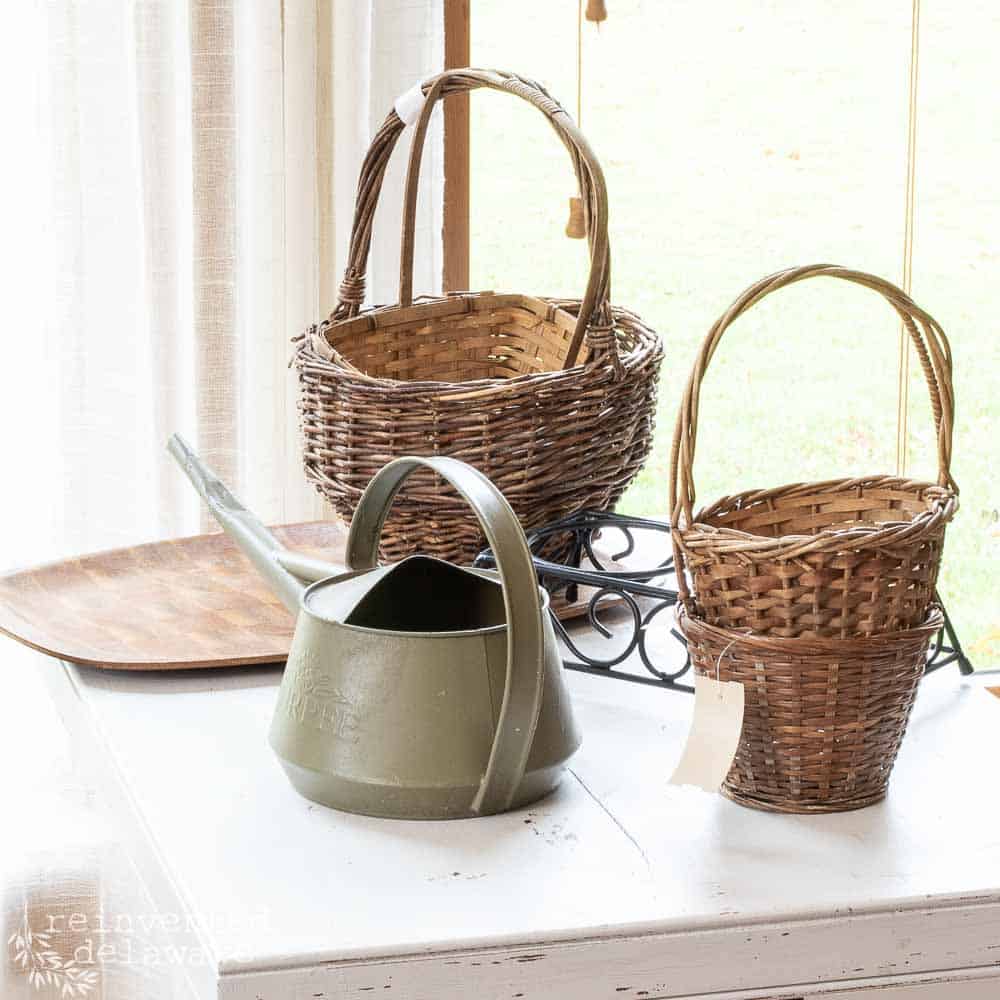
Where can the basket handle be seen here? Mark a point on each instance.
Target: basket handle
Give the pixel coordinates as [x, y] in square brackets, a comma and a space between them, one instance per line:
[927, 336]
[522, 697]
[594, 321]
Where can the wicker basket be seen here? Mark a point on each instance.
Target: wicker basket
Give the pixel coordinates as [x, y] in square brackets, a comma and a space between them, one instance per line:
[843, 558]
[552, 399]
[823, 718]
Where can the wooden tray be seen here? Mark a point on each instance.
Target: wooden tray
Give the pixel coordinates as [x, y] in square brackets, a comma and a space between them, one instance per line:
[182, 604]
[185, 603]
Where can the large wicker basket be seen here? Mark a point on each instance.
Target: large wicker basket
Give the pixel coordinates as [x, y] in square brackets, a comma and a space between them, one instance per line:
[823, 718]
[842, 558]
[552, 399]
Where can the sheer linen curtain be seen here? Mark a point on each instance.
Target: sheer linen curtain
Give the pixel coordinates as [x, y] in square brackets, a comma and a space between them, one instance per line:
[182, 210]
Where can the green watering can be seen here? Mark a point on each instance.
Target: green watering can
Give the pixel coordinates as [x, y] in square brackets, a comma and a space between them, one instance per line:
[419, 690]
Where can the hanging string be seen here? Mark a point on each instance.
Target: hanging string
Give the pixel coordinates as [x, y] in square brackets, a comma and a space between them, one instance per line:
[576, 227]
[903, 397]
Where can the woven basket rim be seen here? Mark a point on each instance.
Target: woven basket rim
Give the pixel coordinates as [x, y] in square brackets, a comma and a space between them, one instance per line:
[942, 504]
[487, 297]
[810, 646]
[648, 345]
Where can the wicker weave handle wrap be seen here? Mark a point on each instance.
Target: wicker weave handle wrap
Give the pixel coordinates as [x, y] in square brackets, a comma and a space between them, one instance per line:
[522, 698]
[926, 335]
[594, 311]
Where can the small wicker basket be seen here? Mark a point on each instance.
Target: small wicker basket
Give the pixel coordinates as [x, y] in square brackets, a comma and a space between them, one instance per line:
[552, 399]
[823, 718]
[842, 558]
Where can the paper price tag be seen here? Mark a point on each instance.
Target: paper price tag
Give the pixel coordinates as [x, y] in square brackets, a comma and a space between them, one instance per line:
[714, 736]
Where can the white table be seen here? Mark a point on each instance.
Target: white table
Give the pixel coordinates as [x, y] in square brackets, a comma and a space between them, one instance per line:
[618, 886]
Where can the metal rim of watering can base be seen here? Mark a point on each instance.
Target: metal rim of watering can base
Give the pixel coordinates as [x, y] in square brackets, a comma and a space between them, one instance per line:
[422, 803]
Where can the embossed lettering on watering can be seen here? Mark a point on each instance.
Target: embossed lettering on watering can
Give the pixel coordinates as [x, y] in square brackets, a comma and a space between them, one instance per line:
[418, 690]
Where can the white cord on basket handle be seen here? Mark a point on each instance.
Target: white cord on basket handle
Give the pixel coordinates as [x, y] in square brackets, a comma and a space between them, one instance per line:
[409, 104]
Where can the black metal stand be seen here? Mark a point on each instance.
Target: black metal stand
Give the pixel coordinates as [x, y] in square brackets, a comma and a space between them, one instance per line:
[641, 594]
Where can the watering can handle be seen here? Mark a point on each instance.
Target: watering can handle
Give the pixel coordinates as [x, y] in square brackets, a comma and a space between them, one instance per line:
[522, 696]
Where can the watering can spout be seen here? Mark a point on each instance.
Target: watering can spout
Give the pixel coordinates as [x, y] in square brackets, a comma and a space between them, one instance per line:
[283, 570]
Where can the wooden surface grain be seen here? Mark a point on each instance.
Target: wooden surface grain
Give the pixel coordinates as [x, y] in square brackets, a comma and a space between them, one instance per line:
[186, 603]
[189, 602]
[457, 42]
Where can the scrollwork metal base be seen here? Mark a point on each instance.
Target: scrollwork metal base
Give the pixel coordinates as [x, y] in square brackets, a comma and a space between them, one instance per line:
[638, 595]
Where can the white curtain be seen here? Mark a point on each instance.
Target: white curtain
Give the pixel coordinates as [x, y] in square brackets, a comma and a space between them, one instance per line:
[182, 204]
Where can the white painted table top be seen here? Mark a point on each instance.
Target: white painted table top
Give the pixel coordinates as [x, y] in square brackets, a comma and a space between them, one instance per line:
[293, 895]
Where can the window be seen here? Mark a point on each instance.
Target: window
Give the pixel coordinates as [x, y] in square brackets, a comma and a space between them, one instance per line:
[741, 138]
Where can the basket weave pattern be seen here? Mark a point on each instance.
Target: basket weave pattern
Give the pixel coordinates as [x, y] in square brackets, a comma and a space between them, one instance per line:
[830, 589]
[553, 399]
[841, 558]
[817, 597]
[823, 718]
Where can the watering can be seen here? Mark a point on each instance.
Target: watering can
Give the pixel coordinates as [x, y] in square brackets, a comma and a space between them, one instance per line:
[417, 690]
